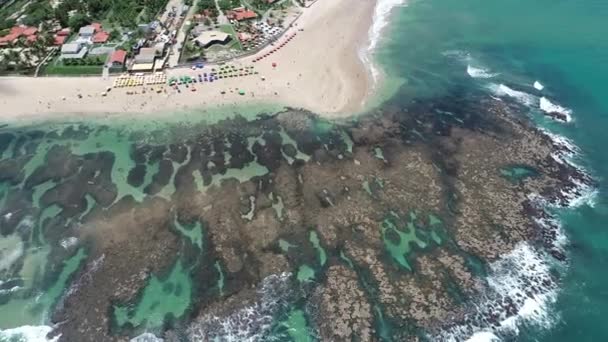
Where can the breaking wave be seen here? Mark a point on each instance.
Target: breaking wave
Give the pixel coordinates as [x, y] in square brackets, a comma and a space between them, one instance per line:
[28, 333]
[146, 337]
[550, 107]
[477, 72]
[520, 289]
[538, 86]
[250, 323]
[379, 22]
[502, 90]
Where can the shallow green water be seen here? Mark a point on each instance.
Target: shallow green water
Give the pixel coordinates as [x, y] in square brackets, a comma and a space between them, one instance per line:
[162, 297]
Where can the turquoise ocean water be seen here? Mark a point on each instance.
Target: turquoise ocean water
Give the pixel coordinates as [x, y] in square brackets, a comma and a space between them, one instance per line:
[438, 45]
[434, 48]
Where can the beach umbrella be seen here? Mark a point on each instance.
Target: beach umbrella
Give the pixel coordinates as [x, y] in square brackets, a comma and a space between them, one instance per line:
[274, 64]
[241, 92]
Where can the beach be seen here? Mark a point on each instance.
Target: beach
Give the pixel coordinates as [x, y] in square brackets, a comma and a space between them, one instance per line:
[320, 69]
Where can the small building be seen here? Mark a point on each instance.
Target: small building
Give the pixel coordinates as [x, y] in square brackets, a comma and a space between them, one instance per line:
[118, 58]
[86, 31]
[159, 48]
[64, 32]
[146, 55]
[209, 38]
[73, 51]
[241, 14]
[101, 37]
[60, 40]
[96, 26]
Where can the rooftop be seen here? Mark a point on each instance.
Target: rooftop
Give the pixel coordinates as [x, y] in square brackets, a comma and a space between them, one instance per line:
[240, 14]
[86, 30]
[209, 38]
[101, 37]
[118, 56]
[70, 48]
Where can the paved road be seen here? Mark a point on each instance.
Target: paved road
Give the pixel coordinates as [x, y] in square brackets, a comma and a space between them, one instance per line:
[180, 39]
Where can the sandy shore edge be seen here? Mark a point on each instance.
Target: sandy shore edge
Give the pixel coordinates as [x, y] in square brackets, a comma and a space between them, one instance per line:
[326, 68]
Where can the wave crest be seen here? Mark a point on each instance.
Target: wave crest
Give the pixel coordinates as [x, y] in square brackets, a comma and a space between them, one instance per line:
[477, 72]
[550, 107]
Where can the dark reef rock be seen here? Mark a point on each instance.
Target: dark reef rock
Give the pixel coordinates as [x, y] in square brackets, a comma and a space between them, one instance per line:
[433, 161]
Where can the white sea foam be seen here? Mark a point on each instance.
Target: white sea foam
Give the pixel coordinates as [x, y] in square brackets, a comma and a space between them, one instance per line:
[538, 85]
[483, 336]
[251, 323]
[550, 107]
[581, 193]
[478, 72]
[523, 276]
[146, 337]
[28, 333]
[520, 96]
[68, 242]
[380, 18]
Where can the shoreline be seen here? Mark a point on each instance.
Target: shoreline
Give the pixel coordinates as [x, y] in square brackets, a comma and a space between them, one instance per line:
[336, 80]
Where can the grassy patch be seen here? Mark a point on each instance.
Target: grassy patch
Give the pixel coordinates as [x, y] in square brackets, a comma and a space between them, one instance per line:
[71, 70]
[235, 43]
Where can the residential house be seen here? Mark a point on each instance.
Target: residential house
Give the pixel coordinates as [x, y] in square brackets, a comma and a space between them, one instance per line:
[241, 14]
[101, 37]
[73, 51]
[16, 32]
[86, 32]
[118, 59]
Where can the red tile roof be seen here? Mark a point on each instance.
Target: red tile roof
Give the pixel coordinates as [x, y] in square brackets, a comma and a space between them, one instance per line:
[9, 38]
[60, 40]
[101, 37]
[64, 32]
[96, 26]
[241, 14]
[118, 56]
[30, 31]
[32, 38]
[19, 31]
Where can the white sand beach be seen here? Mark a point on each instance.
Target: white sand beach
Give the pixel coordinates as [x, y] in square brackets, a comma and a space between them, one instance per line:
[319, 70]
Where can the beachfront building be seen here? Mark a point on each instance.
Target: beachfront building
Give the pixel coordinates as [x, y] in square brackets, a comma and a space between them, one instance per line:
[209, 38]
[73, 51]
[241, 14]
[145, 59]
[118, 60]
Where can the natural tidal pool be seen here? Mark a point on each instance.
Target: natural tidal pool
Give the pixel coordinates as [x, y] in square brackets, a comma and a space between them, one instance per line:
[279, 227]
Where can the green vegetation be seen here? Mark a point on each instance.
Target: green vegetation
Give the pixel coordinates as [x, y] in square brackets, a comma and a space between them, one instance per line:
[226, 5]
[92, 65]
[91, 60]
[235, 43]
[64, 70]
[208, 5]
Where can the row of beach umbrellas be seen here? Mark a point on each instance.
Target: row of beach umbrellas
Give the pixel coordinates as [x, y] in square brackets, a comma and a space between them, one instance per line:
[287, 40]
